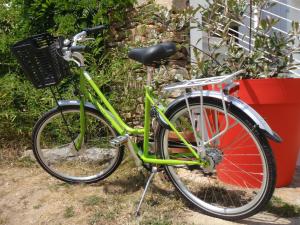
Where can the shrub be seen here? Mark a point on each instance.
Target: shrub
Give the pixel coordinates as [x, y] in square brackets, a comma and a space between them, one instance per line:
[20, 103]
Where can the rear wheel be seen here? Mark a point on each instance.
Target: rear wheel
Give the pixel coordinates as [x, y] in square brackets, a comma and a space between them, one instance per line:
[241, 177]
[53, 146]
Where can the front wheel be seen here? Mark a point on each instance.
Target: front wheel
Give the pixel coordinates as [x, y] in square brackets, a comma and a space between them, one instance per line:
[54, 137]
[241, 177]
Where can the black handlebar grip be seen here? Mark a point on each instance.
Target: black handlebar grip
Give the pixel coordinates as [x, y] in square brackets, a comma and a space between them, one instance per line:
[79, 48]
[95, 30]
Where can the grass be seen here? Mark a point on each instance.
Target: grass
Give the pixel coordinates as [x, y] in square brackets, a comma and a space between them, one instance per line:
[37, 206]
[69, 212]
[3, 221]
[113, 201]
[26, 162]
[157, 221]
[95, 218]
[91, 200]
[57, 186]
[279, 207]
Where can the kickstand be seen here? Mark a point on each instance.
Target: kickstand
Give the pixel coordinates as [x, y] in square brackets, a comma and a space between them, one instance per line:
[153, 172]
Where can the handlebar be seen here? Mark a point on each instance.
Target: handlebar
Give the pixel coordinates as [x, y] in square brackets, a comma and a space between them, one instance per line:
[78, 48]
[95, 30]
[71, 51]
[82, 36]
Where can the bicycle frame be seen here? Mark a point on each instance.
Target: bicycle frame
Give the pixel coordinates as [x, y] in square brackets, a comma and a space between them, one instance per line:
[122, 128]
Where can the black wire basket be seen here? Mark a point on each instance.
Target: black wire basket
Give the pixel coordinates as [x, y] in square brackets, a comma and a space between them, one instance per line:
[41, 59]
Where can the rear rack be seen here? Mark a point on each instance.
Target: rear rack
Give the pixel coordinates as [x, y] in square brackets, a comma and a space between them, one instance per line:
[227, 79]
[225, 84]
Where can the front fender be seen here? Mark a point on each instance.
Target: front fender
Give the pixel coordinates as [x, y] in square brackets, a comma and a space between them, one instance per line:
[76, 103]
[248, 110]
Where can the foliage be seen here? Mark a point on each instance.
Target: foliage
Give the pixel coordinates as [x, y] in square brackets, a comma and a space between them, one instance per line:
[21, 104]
[64, 17]
[282, 209]
[271, 53]
[10, 31]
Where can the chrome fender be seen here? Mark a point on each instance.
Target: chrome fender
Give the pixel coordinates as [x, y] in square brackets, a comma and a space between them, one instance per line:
[248, 110]
[76, 103]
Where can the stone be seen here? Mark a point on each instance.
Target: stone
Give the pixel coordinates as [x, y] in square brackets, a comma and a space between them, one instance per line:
[28, 154]
[179, 55]
[179, 74]
[139, 79]
[175, 94]
[178, 4]
[140, 108]
[140, 99]
[180, 63]
[127, 115]
[69, 153]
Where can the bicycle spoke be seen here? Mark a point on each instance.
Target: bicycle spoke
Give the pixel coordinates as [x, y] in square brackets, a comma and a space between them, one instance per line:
[237, 177]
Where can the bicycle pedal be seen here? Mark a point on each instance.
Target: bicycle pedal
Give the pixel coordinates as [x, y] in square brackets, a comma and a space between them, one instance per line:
[119, 141]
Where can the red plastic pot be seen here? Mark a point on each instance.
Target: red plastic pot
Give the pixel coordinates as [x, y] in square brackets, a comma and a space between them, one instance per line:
[278, 102]
[188, 135]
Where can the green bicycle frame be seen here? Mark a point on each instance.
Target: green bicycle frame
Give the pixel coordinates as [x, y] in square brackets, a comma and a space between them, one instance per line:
[122, 128]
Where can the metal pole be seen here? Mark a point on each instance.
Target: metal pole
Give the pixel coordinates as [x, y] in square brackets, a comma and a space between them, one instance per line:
[251, 24]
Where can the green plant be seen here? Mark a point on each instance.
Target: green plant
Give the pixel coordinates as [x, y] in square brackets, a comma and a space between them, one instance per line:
[37, 206]
[69, 212]
[281, 208]
[21, 104]
[271, 53]
[26, 162]
[154, 221]
[91, 200]
[95, 218]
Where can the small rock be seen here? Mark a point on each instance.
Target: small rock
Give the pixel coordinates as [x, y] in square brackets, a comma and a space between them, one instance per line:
[140, 108]
[179, 74]
[139, 79]
[175, 94]
[127, 115]
[28, 154]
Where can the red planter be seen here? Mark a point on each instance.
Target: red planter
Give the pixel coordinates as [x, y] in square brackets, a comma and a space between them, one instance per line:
[278, 102]
[188, 135]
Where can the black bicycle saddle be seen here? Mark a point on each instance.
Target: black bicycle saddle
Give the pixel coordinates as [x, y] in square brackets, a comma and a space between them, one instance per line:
[153, 55]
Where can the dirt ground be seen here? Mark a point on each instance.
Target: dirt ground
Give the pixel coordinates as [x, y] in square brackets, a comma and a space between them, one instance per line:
[28, 195]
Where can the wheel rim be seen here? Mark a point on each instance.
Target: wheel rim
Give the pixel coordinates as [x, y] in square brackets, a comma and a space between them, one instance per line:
[214, 193]
[57, 152]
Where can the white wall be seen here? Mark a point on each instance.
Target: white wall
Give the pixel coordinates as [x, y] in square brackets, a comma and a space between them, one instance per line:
[196, 34]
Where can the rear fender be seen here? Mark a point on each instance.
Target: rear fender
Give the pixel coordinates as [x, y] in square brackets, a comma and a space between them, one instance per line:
[248, 110]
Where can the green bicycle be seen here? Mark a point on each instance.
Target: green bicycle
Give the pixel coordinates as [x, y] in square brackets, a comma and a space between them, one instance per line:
[212, 146]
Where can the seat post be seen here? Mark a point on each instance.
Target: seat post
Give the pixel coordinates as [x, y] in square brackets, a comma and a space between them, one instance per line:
[150, 71]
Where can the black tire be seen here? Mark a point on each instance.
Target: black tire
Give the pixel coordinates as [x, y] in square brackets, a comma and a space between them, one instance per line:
[223, 193]
[96, 159]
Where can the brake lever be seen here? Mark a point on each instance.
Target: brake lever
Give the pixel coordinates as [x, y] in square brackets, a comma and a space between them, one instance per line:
[90, 39]
[86, 39]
